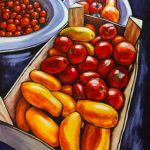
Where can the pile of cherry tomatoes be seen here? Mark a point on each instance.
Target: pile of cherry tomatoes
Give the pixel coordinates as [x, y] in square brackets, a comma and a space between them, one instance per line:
[20, 17]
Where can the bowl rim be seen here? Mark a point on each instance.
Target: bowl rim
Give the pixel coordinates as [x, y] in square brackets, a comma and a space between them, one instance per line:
[53, 31]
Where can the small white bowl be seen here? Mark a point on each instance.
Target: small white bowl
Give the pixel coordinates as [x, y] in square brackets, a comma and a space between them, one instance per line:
[57, 17]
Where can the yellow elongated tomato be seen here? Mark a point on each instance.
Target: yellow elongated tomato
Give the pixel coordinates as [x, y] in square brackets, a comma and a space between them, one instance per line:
[40, 97]
[43, 126]
[21, 108]
[45, 79]
[95, 138]
[67, 101]
[67, 89]
[69, 135]
[98, 114]
[89, 47]
[78, 33]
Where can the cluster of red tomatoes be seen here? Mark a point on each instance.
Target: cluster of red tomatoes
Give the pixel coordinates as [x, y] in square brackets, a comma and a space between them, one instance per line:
[101, 75]
[93, 7]
[20, 17]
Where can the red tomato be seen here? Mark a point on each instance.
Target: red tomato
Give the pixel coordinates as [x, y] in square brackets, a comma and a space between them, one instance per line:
[69, 75]
[11, 27]
[125, 53]
[78, 91]
[115, 98]
[118, 77]
[43, 13]
[5, 16]
[86, 7]
[96, 40]
[42, 20]
[10, 4]
[36, 28]
[9, 34]
[54, 64]
[2, 33]
[96, 89]
[103, 50]
[108, 31]
[116, 40]
[77, 54]
[90, 64]
[90, 26]
[86, 76]
[25, 21]
[105, 66]
[3, 25]
[95, 8]
[63, 43]
[89, 1]
[17, 9]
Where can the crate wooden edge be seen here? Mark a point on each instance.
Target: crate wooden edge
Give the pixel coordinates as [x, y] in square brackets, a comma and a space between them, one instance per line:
[7, 138]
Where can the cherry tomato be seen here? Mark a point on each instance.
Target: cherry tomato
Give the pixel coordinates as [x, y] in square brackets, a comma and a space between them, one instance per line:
[96, 89]
[25, 21]
[28, 30]
[42, 20]
[34, 22]
[95, 7]
[63, 43]
[29, 6]
[10, 21]
[23, 6]
[34, 15]
[17, 33]
[19, 28]
[69, 75]
[6, 16]
[26, 2]
[78, 91]
[105, 66]
[36, 28]
[36, 5]
[3, 25]
[77, 54]
[86, 7]
[16, 3]
[13, 15]
[90, 64]
[115, 98]
[43, 13]
[9, 34]
[38, 9]
[2, 33]
[6, 10]
[27, 16]
[118, 77]
[10, 4]
[103, 50]
[54, 64]
[17, 22]
[11, 27]
[18, 17]
[17, 8]
[86, 76]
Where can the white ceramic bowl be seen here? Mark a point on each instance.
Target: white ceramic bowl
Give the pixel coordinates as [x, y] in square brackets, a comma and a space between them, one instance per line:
[56, 19]
[123, 6]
